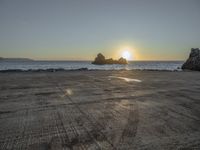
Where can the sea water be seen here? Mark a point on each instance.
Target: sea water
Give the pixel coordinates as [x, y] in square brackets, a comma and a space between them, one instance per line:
[73, 65]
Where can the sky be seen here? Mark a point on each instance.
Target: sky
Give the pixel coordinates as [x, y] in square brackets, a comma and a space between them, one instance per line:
[79, 29]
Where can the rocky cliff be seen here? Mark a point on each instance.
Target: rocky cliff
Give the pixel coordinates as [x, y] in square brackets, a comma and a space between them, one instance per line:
[193, 62]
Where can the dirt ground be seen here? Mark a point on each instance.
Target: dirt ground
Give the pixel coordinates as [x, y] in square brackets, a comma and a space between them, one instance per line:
[151, 110]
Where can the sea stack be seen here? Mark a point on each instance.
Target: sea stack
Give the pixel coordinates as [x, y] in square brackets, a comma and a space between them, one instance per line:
[193, 62]
[100, 60]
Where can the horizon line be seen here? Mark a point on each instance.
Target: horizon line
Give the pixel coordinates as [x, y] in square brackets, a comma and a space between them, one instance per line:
[31, 59]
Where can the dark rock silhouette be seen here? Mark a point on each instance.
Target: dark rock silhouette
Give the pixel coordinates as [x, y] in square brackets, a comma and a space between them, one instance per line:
[100, 60]
[193, 62]
[122, 61]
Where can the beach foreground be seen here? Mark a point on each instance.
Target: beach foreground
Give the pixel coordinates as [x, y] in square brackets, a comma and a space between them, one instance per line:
[100, 110]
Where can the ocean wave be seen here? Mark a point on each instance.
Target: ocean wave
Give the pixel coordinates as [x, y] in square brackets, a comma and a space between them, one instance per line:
[80, 69]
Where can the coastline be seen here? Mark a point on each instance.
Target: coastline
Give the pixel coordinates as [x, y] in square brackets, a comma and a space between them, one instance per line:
[86, 65]
[84, 69]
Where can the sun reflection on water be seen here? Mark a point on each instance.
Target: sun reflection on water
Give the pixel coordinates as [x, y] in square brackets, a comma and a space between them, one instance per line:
[126, 79]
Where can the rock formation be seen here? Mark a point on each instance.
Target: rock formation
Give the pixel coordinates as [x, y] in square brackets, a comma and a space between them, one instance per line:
[100, 60]
[193, 62]
[122, 61]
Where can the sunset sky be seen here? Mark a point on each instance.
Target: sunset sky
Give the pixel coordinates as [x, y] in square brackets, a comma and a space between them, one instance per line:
[79, 29]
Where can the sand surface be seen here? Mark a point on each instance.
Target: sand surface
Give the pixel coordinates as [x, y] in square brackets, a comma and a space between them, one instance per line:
[100, 110]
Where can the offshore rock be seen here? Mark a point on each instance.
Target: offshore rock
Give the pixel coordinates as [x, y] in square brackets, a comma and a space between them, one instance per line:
[100, 60]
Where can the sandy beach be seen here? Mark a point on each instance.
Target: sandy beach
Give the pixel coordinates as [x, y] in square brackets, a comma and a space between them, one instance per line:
[152, 110]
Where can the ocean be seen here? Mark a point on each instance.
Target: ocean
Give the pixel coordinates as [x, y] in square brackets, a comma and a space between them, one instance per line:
[75, 65]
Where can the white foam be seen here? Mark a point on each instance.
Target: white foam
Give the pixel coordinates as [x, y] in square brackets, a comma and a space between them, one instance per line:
[126, 79]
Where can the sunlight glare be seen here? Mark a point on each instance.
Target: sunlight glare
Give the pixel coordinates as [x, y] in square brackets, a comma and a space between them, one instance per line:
[126, 54]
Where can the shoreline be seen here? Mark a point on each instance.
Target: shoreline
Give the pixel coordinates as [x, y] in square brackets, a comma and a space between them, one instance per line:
[86, 69]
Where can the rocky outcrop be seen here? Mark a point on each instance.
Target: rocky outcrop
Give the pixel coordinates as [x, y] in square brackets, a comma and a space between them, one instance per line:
[100, 60]
[122, 61]
[193, 62]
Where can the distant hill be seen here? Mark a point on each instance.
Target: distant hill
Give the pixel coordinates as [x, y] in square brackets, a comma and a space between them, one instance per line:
[15, 59]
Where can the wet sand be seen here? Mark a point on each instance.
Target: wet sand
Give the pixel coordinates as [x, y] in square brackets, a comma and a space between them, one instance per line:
[100, 110]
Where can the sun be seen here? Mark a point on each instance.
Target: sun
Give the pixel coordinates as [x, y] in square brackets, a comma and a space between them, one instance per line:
[126, 54]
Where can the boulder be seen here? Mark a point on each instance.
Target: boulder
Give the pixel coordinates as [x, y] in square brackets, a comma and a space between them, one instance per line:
[193, 62]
